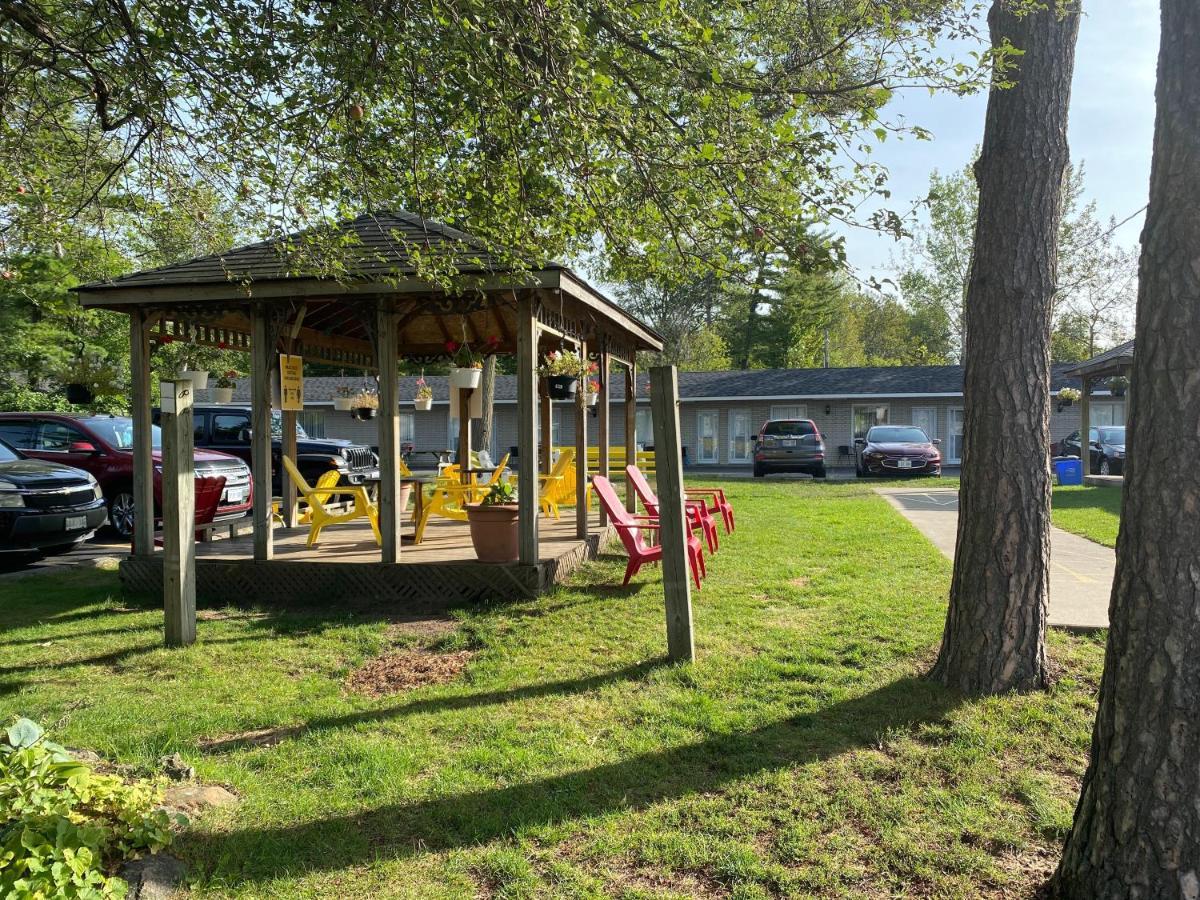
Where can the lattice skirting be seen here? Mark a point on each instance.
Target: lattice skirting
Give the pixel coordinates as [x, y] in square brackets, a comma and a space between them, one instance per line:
[412, 585]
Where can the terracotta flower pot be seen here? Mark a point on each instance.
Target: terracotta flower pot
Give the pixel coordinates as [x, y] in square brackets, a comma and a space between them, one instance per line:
[494, 531]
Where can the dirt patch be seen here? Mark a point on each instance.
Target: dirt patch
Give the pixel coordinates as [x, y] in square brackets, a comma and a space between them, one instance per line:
[405, 671]
[801, 582]
[425, 627]
[257, 737]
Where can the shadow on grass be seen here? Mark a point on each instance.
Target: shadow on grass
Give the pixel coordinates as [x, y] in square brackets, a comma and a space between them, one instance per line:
[443, 823]
[440, 704]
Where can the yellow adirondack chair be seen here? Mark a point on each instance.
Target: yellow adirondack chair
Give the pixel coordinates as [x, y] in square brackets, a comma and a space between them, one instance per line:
[448, 499]
[316, 498]
[479, 491]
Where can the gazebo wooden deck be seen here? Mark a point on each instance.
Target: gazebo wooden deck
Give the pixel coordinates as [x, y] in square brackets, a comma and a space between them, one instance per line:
[278, 297]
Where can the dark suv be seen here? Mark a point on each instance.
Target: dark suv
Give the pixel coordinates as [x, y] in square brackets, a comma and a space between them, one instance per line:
[45, 507]
[789, 445]
[103, 446]
[227, 428]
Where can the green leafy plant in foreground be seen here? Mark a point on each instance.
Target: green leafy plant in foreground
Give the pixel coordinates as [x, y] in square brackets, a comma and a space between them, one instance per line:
[63, 827]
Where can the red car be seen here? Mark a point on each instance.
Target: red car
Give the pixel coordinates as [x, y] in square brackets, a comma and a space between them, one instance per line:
[102, 445]
[897, 450]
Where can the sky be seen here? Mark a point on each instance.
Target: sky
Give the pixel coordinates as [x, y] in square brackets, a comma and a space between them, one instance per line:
[1110, 129]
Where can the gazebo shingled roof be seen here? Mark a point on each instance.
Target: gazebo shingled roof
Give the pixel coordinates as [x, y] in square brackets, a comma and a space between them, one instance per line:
[322, 281]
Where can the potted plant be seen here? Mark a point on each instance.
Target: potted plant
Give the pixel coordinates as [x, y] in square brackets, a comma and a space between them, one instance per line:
[88, 377]
[198, 377]
[223, 392]
[494, 524]
[593, 391]
[1118, 385]
[468, 368]
[364, 405]
[343, 398]
[561, 369]
[424, 399]
[1068, 395]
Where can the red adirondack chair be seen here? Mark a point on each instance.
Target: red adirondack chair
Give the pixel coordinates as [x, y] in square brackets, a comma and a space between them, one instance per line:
[630, 528]
[714, 501]
[697, 513]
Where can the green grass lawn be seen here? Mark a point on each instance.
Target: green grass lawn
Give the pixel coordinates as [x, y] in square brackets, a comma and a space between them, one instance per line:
[802, 754]
[1094, 512]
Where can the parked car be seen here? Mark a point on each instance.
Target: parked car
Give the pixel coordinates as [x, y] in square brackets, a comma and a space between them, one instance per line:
[45, 507]
[789, 445]
[103, 446]
[227, 428]
[896, 450]
[1107, 446]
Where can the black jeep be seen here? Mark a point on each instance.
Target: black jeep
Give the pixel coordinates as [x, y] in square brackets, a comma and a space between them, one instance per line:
[227, 428]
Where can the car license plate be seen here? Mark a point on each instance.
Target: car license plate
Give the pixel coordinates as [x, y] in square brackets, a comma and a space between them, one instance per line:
[789, 443]
[235, 495]
[74, 523]
[904, 464]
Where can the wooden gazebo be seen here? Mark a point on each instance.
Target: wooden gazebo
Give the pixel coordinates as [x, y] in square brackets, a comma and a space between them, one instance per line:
[1114, 363]
[350, 296]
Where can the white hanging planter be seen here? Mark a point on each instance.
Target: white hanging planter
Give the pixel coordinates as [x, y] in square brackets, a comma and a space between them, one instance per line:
[198, 379]
[465, 378]
[423, 403]
[343, 404]
[222, 395]
[593, 399]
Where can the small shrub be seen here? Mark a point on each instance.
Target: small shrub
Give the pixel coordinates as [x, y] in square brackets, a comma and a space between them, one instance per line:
[63, 827]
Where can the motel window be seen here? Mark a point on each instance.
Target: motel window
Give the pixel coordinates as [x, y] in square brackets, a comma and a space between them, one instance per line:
[867, 416]
[791, 411]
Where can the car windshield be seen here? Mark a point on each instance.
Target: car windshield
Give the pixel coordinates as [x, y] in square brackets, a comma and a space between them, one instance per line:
[897, 434]
[7, 453]
[277, 426]
[1113, 435]
[790, 428]
[118, 432]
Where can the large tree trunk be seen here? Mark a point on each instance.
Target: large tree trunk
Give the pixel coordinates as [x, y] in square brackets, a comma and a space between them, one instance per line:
[1137, 827]
[996, 625]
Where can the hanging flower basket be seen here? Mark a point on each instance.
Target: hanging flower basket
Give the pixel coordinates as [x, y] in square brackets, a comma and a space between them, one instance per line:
[343, 404]
[79, 393]
[464, 378]
[198, 378]
[424, 404]
[364, 405]
[561, 387]
[364, 413]
[222, 395]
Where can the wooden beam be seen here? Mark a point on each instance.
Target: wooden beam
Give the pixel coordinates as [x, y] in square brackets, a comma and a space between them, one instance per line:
[1085, 425]
[630, 433]
[464, 431]
[673, 530]
[581, 455]
[390, 514]
[290, 506]
[262, 354]
[602, 427]
[179, 514]
[527, 404]
[143, 440]
[546, 453]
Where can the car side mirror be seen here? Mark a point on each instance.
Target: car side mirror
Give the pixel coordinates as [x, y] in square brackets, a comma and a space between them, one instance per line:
[83, 447]
[937, 440]
[859, 442]
[244, 434]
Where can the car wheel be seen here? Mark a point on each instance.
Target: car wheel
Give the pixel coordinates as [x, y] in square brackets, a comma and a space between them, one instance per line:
[819, 472]
[120, 512]
[758, 472]
[1105, 468]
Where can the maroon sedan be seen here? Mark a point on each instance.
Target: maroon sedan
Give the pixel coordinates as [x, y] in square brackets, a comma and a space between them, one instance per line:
[896, 450]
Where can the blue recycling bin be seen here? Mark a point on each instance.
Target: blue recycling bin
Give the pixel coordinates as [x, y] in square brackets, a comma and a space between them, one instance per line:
[1069, 471]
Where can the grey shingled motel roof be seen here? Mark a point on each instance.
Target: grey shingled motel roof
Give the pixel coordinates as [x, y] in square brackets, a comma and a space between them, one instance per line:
[868, 381]
[380, 249]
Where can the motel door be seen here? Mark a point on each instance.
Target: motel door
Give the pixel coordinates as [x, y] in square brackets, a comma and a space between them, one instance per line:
[741, 439]
[706, 436]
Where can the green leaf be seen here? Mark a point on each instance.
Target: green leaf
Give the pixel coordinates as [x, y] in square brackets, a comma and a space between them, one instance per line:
[24, 733]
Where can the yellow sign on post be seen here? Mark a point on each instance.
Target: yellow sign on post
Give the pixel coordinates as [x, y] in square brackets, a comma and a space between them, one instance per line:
[291, 383]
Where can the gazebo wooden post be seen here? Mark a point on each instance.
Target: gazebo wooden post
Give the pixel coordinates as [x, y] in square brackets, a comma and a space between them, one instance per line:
[664, 406]
[602, 426]
[464, 432]
[262, 352]
[179, 514]
[388, 362]
[289, 506]
[143, 439]
[546, 429]
[1085, 424]
[581, 450]
[527, 408]
[630, 432]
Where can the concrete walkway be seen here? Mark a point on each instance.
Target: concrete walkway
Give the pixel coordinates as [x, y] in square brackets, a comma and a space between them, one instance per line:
[1081, 571]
